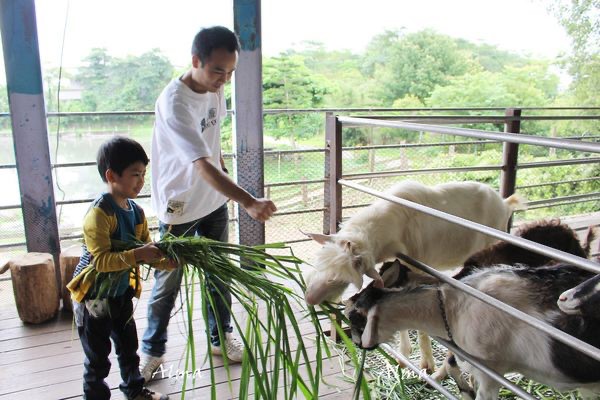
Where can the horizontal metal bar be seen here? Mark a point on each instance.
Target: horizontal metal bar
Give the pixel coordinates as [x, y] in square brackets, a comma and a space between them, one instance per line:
[427, 378]
[555, 183]
[506, 137]
[8, 245]
[75, 164]
[564, 198]
[459, 119]
[557, 334]
[526, 244]
[384, 174]
[308, 210]
[565, 203]
[290, 183]
[558, 163]
[474, 361]
[408, 145]
[298, 151]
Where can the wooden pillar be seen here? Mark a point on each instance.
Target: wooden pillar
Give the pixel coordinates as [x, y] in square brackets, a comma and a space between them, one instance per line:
[248, 115]
[510, 155]
[333, 133]
[29, 126]
[333, 195]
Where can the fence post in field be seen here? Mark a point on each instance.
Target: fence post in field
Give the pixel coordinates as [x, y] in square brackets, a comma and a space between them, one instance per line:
[510, 155]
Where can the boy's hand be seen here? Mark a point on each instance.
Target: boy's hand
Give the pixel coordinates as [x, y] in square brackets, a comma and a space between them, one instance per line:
[148, 253]
[171, 265]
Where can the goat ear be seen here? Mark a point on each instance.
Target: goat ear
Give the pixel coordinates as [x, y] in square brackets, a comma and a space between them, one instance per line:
[347, 246]
[378, 282]
[391, 275]
[369, 338]
[319, 237]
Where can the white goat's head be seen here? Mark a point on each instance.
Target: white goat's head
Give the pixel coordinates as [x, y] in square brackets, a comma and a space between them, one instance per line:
[338, 263]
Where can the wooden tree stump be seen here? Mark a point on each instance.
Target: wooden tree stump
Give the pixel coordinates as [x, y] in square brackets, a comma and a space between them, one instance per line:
[69, 258]
[34, 286]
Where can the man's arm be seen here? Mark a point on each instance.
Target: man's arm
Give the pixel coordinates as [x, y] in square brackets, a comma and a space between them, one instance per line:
[259, 209]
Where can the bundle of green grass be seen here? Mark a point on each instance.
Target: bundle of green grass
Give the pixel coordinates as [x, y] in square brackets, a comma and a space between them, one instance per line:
[276, 361]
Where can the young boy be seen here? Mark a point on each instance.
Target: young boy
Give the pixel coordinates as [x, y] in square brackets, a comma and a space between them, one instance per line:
[106, 279]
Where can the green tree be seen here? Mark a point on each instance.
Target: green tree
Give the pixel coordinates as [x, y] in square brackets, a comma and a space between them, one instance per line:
[528, 86]
[347, 86]
[123, 84]
[93, 77]
[288, 83]
[581, 20]
[414, 64]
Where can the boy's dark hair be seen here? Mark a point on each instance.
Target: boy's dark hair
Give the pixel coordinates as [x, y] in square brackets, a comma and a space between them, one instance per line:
[119, 153]
[216, 37]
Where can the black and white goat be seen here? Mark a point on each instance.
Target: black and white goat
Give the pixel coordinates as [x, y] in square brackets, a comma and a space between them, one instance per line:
[583, 299]
[551, 233]
[502, 342]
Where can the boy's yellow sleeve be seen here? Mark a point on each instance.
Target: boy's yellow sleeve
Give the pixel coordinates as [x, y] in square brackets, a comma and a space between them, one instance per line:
[97, 230]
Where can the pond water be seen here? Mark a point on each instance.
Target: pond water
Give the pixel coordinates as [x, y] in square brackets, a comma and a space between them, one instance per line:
[70, 183]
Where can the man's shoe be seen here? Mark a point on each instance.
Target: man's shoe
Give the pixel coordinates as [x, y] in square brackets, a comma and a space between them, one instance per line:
[147, 394]
[233, 349]
[149, 366]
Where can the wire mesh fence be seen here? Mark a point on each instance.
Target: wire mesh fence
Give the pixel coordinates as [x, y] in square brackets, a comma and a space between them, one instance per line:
[294, 174]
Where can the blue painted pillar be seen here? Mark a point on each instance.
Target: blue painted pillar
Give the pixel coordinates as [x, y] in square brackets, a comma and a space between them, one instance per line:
[248, 114]
[30, 132]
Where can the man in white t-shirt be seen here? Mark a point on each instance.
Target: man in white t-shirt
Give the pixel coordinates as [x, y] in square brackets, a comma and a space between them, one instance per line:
[190, 185]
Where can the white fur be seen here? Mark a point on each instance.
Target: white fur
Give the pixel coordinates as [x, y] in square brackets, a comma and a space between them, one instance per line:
[383, 229]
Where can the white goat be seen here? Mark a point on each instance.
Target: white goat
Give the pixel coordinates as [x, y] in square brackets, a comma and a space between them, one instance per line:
[383, 229]
[500, 341]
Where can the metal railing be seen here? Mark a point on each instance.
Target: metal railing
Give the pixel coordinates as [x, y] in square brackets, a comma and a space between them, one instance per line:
[337, 179]
[326, 208]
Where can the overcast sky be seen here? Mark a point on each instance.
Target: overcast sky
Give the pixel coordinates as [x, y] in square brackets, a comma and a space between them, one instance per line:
[135, 26]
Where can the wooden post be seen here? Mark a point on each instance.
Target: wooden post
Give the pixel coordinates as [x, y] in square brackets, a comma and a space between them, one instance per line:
[510, 155]
[29, 126]
[69, 258]
[34, 286]
[333, 195]
[248, 115]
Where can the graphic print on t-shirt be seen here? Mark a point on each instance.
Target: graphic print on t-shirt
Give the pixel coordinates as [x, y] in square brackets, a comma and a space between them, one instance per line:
[212, 119]
[175, 207]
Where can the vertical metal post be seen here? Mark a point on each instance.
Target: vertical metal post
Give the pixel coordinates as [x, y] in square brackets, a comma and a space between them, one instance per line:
[333, 132]
[510, 155]
[333, 199]
[248, 115]
[29, 126]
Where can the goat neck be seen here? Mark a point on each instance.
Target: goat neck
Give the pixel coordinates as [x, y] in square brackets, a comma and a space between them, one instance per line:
[377, 314]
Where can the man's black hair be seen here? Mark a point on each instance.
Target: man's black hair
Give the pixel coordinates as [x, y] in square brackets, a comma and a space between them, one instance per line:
[119, 153]
[216, 37]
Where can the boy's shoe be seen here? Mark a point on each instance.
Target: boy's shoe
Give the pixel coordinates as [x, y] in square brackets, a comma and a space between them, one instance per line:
[234, 349]
[147, 394]
[149, 365]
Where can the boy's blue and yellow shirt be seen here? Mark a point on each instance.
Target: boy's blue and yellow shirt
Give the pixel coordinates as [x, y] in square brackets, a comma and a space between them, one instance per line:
[104, 222]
